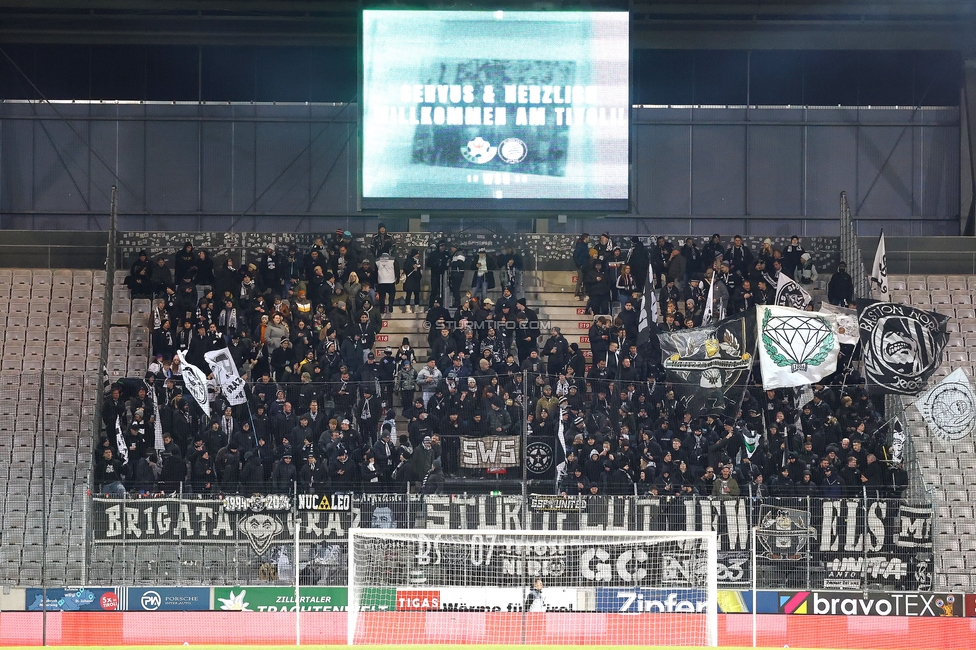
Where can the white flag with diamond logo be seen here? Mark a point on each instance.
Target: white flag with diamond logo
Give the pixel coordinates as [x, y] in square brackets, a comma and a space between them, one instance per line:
[796, 348]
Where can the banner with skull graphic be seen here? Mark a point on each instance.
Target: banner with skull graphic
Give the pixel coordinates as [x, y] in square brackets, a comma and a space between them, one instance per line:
[902, 345]
[709, 366]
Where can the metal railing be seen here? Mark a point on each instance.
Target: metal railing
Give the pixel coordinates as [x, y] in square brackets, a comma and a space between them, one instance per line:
[850, 251]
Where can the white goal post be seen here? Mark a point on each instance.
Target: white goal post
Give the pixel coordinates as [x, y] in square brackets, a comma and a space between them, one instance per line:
[424, 586]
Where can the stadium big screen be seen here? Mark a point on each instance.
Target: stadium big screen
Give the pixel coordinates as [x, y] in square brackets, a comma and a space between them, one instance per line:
[495, 109]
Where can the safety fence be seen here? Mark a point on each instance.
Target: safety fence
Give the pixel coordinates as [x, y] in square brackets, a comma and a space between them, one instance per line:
[865, 543]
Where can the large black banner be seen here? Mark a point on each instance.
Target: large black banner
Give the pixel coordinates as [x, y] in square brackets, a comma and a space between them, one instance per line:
[709, 366]
[846, 540]
[902, 345]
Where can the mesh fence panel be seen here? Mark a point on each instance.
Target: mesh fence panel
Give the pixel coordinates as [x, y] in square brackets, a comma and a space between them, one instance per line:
[46, 434]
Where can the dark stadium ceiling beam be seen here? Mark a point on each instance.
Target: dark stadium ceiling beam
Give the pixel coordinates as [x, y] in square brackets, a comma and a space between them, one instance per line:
[711, 24]
[204, 22]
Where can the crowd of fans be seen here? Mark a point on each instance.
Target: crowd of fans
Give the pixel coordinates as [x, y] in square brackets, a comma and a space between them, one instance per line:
[301, 327]
[681, 276]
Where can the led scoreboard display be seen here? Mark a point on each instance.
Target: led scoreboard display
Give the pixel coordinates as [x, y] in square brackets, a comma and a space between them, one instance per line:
[495, 109]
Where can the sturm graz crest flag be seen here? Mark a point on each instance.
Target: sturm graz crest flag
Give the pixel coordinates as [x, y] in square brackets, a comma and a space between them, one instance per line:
[902, 345]
[709, 366]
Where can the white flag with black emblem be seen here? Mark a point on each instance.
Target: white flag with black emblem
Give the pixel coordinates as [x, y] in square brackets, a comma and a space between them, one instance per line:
[879, 270]
[707, 313]
[195, 382]
[225, 371]
[949, 407]
[796, 348]
[790, 294]
[120, 441]
[896, 450]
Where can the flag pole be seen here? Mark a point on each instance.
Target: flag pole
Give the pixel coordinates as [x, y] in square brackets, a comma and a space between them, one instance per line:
[742, 398]
[848, 366]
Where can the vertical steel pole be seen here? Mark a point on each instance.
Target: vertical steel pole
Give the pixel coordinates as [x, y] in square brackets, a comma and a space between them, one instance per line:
[40, 405]
[755, 584]
[298, 600]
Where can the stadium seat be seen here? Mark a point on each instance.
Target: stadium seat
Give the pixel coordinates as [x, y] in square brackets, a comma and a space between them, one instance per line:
[954, 356]
[916, 283]
[20, 292]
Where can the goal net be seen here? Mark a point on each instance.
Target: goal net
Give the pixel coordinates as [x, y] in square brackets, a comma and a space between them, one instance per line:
[532, 587]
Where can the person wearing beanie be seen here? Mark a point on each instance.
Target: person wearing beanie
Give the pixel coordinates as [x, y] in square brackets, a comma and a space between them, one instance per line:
[381, 243]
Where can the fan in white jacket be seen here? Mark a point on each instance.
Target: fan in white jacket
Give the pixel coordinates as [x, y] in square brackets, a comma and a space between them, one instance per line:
[387, 275]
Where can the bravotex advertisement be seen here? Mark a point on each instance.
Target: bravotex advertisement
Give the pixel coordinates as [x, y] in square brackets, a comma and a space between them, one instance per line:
[507, 109]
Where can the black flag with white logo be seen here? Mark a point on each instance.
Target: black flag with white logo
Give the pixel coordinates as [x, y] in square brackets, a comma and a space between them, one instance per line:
[902, 345]
[709, 366]
[542, 455]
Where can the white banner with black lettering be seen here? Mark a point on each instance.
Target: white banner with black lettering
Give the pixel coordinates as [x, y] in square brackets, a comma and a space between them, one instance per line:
[491, 452]
[879, 269]
[225, 370]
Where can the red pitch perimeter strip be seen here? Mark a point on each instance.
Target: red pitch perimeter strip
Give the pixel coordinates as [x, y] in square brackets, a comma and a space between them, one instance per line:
[259, 628]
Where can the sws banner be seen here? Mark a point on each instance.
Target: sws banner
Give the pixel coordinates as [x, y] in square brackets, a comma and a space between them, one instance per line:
[490, 452]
